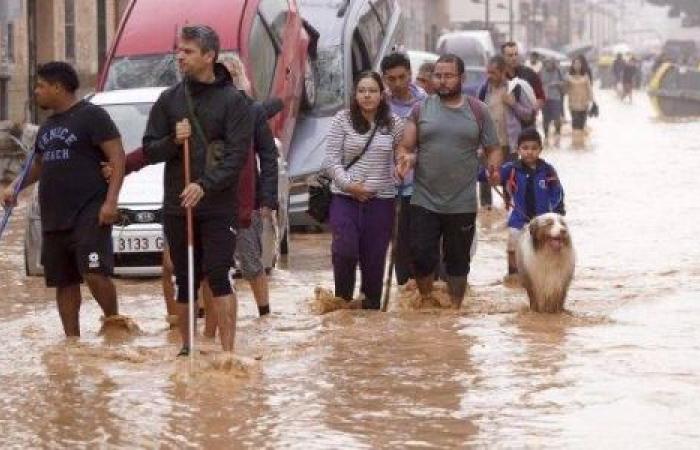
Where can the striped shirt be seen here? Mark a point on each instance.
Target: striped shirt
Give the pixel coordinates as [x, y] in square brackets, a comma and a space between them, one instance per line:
[375, 170]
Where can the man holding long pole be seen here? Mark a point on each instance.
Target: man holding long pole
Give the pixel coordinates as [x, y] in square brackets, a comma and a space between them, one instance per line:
[206, 116]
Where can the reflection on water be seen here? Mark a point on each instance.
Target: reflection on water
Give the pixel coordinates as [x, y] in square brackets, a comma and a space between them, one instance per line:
[620, 368]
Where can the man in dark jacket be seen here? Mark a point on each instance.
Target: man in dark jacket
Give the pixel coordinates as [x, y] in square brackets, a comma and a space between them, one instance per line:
[515, 69]
[217, 121]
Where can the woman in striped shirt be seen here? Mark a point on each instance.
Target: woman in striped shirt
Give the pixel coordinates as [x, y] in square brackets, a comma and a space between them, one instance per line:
[362, 209]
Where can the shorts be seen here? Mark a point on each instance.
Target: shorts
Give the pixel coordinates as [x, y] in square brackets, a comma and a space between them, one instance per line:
[513, 238]
[249, 248]
[457, 234]
[578, 119]
[67, 255]
[214, 244]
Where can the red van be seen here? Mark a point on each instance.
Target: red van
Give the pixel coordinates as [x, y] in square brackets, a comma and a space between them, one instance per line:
[268, 35]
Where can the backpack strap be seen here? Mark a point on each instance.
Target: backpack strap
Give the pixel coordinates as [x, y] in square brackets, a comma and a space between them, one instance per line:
[475, 106]
[483, 90]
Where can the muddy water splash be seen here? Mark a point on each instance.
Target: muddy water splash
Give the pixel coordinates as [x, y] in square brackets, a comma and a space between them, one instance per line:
[619, 369]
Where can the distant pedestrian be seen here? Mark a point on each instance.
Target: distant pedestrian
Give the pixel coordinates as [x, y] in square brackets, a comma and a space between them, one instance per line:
[442, 141]
[580, 92]
[553, 111]
[402, 96]
[630, 79]
[424, 79]
[360, 154]
[78, 206]
[618, 69]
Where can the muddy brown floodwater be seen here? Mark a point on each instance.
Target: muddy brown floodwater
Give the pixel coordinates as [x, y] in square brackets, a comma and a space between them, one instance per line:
[621, 369]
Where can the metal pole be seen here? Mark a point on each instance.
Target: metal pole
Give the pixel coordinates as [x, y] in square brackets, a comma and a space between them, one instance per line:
[510, 20]
[486, 13]
[190, 255]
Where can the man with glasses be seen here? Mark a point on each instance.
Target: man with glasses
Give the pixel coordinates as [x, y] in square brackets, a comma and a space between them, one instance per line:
[448, 129]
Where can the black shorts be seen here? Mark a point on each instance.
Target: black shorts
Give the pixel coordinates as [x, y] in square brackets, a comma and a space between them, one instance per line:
[214, 245]
[578, 119]
[86, 248]
[456, 232]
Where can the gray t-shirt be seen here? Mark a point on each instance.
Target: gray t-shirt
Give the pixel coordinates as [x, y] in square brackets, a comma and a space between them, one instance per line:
[447, 162]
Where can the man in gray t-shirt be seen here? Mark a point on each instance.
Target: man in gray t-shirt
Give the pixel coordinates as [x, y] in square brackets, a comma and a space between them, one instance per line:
[448, 129]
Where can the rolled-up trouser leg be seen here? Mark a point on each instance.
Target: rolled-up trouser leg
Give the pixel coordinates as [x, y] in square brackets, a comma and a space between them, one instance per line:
[218, 240]
[376, 227]
[457, 287]
[345, 246]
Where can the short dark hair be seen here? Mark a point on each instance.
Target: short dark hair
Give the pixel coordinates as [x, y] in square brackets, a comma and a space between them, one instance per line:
[508, 44]
[530, 135]
[498, 61]
[394, 60]
[205, 37]
[452, 58]
[59, 72]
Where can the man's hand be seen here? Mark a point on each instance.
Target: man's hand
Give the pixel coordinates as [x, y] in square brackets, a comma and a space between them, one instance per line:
[359, 192]
[266, 213]
[508, 99]
[183, 131]
[107, 170]
[191, 195]
[108, 213]
[405, 163]
[8, 196]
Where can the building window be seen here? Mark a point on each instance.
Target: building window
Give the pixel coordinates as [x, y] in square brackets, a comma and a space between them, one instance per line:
[4, 101]
[70, 29]
[10, 42]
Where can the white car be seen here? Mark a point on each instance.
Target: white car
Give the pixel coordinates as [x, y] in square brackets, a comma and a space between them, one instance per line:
[138, 239]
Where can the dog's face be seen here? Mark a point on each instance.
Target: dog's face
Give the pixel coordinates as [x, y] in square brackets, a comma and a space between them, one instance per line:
[550, 231]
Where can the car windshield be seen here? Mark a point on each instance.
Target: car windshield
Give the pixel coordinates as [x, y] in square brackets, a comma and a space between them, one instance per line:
[131, 121]
[130, 72]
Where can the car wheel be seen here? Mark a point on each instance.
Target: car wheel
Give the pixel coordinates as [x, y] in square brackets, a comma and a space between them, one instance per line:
[308, 97]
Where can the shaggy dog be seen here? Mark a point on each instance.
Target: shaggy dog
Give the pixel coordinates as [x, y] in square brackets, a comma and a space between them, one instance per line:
[546, 261]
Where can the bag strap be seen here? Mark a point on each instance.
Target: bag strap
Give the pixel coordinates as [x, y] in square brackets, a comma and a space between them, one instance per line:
[364, 150]
[475, 106]
[193, 116]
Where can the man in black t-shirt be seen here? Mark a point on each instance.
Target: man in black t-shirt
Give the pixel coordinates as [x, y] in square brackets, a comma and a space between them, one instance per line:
[78, 207]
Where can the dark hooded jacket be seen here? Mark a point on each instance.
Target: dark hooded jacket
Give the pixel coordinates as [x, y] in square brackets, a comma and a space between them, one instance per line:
[225, 116]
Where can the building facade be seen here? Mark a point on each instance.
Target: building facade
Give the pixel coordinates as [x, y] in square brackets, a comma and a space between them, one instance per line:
[424, 22]
[37, 31]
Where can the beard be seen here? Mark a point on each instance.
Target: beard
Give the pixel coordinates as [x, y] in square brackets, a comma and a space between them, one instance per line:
[449, 93]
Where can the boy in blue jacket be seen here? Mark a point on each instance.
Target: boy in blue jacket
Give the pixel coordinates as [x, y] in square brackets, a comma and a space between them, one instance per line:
[533, 185]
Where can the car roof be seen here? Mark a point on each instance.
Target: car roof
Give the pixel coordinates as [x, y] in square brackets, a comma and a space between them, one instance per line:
[125, 96]
[151, 26]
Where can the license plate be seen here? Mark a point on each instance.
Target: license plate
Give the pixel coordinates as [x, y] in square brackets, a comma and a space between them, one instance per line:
[138, 244]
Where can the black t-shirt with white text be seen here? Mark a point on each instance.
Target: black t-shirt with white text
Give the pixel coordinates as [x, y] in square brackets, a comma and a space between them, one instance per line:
[69, 145]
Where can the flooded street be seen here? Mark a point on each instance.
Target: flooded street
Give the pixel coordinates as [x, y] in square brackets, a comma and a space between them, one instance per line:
[620, 369]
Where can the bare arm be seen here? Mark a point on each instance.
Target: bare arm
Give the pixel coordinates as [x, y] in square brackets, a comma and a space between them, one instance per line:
[405, 151]
[114, 152]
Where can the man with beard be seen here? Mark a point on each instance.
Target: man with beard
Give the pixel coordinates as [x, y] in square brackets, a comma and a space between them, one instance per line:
[448, 129]
[78, 207]
[216, 119]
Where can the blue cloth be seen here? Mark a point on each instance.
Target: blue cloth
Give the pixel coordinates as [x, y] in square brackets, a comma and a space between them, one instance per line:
[403, 109]
[548, 191]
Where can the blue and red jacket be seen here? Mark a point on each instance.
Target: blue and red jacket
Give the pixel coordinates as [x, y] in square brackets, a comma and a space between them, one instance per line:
[533, 191]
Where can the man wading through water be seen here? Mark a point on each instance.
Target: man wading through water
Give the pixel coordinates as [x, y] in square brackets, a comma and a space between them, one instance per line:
[78, 207]
[447, 130]
[216, 119]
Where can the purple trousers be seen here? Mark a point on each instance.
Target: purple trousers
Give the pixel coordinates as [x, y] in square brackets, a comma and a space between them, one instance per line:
[361, 234]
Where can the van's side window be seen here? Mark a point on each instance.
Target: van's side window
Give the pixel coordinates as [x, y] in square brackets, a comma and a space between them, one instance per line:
[275, 13]
[263, 56]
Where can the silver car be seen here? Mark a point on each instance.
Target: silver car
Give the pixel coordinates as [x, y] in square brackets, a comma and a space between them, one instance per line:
[138, 240]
